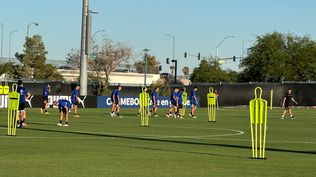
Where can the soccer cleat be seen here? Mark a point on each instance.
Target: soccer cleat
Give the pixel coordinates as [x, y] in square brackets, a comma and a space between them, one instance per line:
[65, 125]
[292, 117]
[190, 115]
[194, 117]
[47, 113]
[59, 124]
[24, 125]
[156, 115]
[181, 117]
[76, 116]
[112, 114]
[41, 111]
[167, 115]
[282, 118]
[120, 117]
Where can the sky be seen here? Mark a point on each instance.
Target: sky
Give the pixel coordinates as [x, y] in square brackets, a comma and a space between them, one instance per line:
[198, 25]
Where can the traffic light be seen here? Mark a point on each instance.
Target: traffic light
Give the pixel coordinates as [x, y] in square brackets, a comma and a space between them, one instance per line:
[168, 61]
[199, 56]
[185, 54]
[234, 58]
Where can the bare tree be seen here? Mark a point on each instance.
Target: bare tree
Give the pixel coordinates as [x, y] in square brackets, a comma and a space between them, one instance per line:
[73, 59]
[107, 57]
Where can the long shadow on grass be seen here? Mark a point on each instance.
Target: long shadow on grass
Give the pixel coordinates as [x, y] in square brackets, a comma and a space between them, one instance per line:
[189, 152]
[169, 141]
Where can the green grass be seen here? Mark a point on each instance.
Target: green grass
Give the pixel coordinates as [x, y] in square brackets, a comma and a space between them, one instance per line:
[97, 145]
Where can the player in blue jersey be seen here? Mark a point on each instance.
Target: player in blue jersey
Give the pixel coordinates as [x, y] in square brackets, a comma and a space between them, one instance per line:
[154, 99]
[173, 103]
[24, 94]
[64, 106]
[45, 106]
[75, 100]
[180, 104]
[116, 100]
[193, 101]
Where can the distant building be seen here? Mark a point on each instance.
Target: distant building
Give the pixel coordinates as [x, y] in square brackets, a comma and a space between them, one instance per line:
[123, 78]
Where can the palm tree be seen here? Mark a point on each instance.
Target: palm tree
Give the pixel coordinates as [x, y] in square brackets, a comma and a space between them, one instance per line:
[186, 72]
[172, 68]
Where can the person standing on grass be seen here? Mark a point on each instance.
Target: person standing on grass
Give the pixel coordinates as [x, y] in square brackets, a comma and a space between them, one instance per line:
[45, 106]
[24, 94]
[180, 104]
[154, 99]
[75, 100]
[64, 106]
[288, 98]
[217, 97]
[193, 101]
[173, 103]
[115, 99]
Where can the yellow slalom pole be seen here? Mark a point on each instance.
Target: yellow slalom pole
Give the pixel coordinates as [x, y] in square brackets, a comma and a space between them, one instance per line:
[265, 132]
[251, 105]
[271, 99]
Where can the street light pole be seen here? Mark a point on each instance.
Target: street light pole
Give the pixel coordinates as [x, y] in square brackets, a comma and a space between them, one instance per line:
[1, 40]
[10, 36]
[28, 28]
[145, 69]
[173, 45]
[219, 44]
[95, 33]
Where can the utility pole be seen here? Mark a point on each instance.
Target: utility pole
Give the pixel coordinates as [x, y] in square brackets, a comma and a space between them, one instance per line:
[83, 52]
[1, 40]
[145, 69]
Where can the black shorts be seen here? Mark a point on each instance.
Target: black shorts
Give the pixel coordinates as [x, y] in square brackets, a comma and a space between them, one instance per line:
[75, 103]
[180, 106]
[115, 102]
[287, 106]
[21, 106]
[45, 99]
[63, 110]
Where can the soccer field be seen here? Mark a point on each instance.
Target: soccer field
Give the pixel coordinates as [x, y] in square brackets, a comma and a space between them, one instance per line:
[97, 145]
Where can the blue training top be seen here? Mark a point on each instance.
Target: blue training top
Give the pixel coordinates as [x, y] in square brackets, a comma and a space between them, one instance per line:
[154, 97]
[174, 97]
[74, 95]
[45, 91]
[64, 103]
[179, 95]
[23, 92]
[192, 95]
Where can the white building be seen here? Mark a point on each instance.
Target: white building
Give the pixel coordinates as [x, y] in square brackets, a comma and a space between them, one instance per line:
[115, 78]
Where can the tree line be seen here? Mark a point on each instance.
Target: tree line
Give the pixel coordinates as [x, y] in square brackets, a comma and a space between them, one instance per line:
[274, 57]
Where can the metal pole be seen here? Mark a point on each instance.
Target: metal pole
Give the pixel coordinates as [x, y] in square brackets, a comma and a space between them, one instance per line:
[173, 47]
[175, 71]
[1, 40]
[219, 44]
[28, 28]
[145, 69]
[83, 56]
[95, 33]
[10, 43]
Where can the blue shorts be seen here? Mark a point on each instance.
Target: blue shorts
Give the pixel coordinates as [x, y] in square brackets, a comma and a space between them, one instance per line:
[193, 103]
